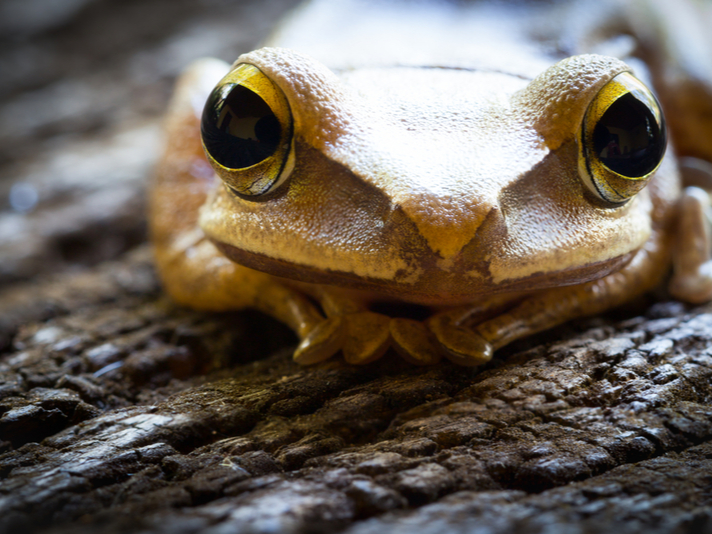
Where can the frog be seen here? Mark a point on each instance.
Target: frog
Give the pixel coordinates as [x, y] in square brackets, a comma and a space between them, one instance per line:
[441, 179]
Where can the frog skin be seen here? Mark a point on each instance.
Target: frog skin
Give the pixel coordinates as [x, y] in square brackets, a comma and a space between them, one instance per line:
[446, 156]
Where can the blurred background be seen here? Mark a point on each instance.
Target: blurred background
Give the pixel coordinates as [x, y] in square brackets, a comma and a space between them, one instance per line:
[83, 85]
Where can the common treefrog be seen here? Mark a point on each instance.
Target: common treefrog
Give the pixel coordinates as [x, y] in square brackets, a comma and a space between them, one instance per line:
[471, 158]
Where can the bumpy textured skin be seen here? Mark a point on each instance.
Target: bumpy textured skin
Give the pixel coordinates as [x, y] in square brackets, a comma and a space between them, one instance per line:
[431, 177]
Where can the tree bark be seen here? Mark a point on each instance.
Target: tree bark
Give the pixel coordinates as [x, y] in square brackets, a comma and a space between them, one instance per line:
[120, 412]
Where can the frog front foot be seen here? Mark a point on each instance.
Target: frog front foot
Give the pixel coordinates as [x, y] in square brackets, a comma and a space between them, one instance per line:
[364, 336]
[442, 335]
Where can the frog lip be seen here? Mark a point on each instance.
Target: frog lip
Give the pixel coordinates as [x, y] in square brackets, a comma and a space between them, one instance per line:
[303, 273]
[426, 292]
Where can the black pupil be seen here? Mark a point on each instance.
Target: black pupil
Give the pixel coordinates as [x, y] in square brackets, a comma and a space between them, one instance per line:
[628, 138]
[238, 127]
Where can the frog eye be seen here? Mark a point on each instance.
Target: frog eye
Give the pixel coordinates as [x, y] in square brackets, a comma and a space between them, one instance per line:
[623, 139]
[247, 132]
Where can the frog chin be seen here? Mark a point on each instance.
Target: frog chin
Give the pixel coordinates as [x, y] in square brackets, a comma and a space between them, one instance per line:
[434, 288]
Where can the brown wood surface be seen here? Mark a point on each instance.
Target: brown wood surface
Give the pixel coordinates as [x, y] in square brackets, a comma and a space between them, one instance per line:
[120, 412]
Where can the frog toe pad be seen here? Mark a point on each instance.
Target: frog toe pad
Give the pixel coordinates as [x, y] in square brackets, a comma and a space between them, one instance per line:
[459, 344]
[367, 337]
[325, 340]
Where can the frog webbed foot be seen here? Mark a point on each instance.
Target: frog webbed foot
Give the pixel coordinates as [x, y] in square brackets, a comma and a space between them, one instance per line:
[364, 336]
[441, 335]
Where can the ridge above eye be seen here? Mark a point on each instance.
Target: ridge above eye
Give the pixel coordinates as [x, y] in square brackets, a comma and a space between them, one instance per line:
[247, 131]
[623, 139]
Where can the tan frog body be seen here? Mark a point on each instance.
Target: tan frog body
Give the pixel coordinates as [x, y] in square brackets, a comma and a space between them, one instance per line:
[407, 153]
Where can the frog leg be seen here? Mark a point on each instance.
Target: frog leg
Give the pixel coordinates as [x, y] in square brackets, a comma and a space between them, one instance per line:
[692, 268]
[194, 273]
[191, 268]
[549, 308]
[692, 263]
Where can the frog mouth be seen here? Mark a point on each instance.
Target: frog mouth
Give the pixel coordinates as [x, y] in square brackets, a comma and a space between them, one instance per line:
[435, 289]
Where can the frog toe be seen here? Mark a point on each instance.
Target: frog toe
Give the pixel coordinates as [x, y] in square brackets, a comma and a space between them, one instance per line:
[322, 342]
[414, 342]
[460, 344]
[367, 337]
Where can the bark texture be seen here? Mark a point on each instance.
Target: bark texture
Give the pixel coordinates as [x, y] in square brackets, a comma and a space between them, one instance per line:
[120, 412]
